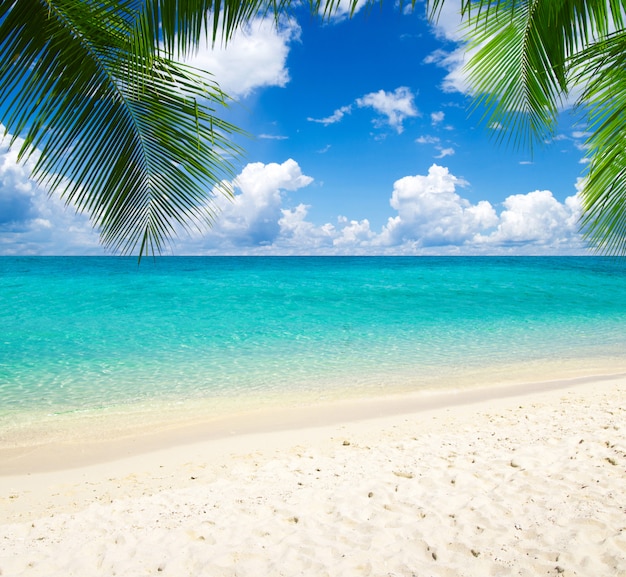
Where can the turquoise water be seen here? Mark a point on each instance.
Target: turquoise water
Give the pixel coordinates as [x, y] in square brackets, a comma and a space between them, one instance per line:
[80, 334]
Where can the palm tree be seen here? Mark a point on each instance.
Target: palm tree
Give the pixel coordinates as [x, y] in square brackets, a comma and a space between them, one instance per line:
[530, 57]
[112, 121]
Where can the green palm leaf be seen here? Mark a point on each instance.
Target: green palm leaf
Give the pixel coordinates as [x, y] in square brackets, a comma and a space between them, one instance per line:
[602, 70]
[130, 137]
[529, 55]
[177, 27]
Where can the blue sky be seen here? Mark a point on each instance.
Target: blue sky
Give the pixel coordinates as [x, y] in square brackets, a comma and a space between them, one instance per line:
[361, 143]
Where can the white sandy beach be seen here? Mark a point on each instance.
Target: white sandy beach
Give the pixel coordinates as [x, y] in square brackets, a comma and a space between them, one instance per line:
[521, 484]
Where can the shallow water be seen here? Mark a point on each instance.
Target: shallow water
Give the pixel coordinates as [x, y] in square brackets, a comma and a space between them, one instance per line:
[83, 335]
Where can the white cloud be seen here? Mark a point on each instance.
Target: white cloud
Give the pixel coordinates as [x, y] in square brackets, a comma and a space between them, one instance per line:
[429, 217]
[16, 189]
[436, 117]
[448, 24]
[454, 62]
[299, 235]
[395, 106]
[579, 139]
[273, 137]
[252, 218]
[353, 233]
[537, 218]
[435, 57]
[431, 213]
[254, 57]
[426, 139]
[443, 152]
[334, 117]
[582, 146]
[32, 221]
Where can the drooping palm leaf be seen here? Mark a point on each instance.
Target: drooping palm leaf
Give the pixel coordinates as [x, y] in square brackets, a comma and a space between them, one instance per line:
[529, 55]
[131, 138]
[602, 70]
[176, 26]
[516, 78]
[524, 51]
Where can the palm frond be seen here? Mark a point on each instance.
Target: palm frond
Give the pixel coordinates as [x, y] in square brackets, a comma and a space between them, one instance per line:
[132, 139]
[177, 27]
[519, 72]
[602, 69]
[529, 54]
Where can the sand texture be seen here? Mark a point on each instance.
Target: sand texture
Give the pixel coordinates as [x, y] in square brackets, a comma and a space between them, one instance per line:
[528, 485]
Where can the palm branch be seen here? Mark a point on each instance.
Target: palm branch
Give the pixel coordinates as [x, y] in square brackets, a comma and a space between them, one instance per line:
[114, 123]
[602, 71]
[529, 55]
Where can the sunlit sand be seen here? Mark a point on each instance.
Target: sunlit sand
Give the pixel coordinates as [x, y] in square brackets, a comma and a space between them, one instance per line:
[505, 484]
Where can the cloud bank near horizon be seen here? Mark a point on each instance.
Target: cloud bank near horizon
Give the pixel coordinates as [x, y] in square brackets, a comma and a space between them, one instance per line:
[428, 215]
[31, 221]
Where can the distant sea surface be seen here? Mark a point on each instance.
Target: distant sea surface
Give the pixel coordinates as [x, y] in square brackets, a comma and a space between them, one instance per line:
[88, 335]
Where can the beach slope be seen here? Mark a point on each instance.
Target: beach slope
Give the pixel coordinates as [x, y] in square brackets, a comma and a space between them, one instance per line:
[533, 484]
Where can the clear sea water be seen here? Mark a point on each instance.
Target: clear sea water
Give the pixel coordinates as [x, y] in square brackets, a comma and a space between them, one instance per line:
[82, 335]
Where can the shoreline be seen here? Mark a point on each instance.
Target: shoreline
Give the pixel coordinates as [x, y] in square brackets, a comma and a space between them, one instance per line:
[522, 484]
[45, 457]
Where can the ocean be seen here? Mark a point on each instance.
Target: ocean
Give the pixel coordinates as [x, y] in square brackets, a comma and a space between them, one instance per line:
[84, 338]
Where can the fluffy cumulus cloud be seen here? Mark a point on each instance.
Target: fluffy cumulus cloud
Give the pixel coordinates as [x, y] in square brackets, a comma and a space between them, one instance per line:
[297, 232]
[536, 218]
[16, 192]
[431, 212]
[353, 233]
[252, 219]
[394, 106]
[255, 57]
[433, 218]
[430, 216]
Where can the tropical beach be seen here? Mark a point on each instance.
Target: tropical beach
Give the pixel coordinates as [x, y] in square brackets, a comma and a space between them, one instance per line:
[330, 417]
[450, 402]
